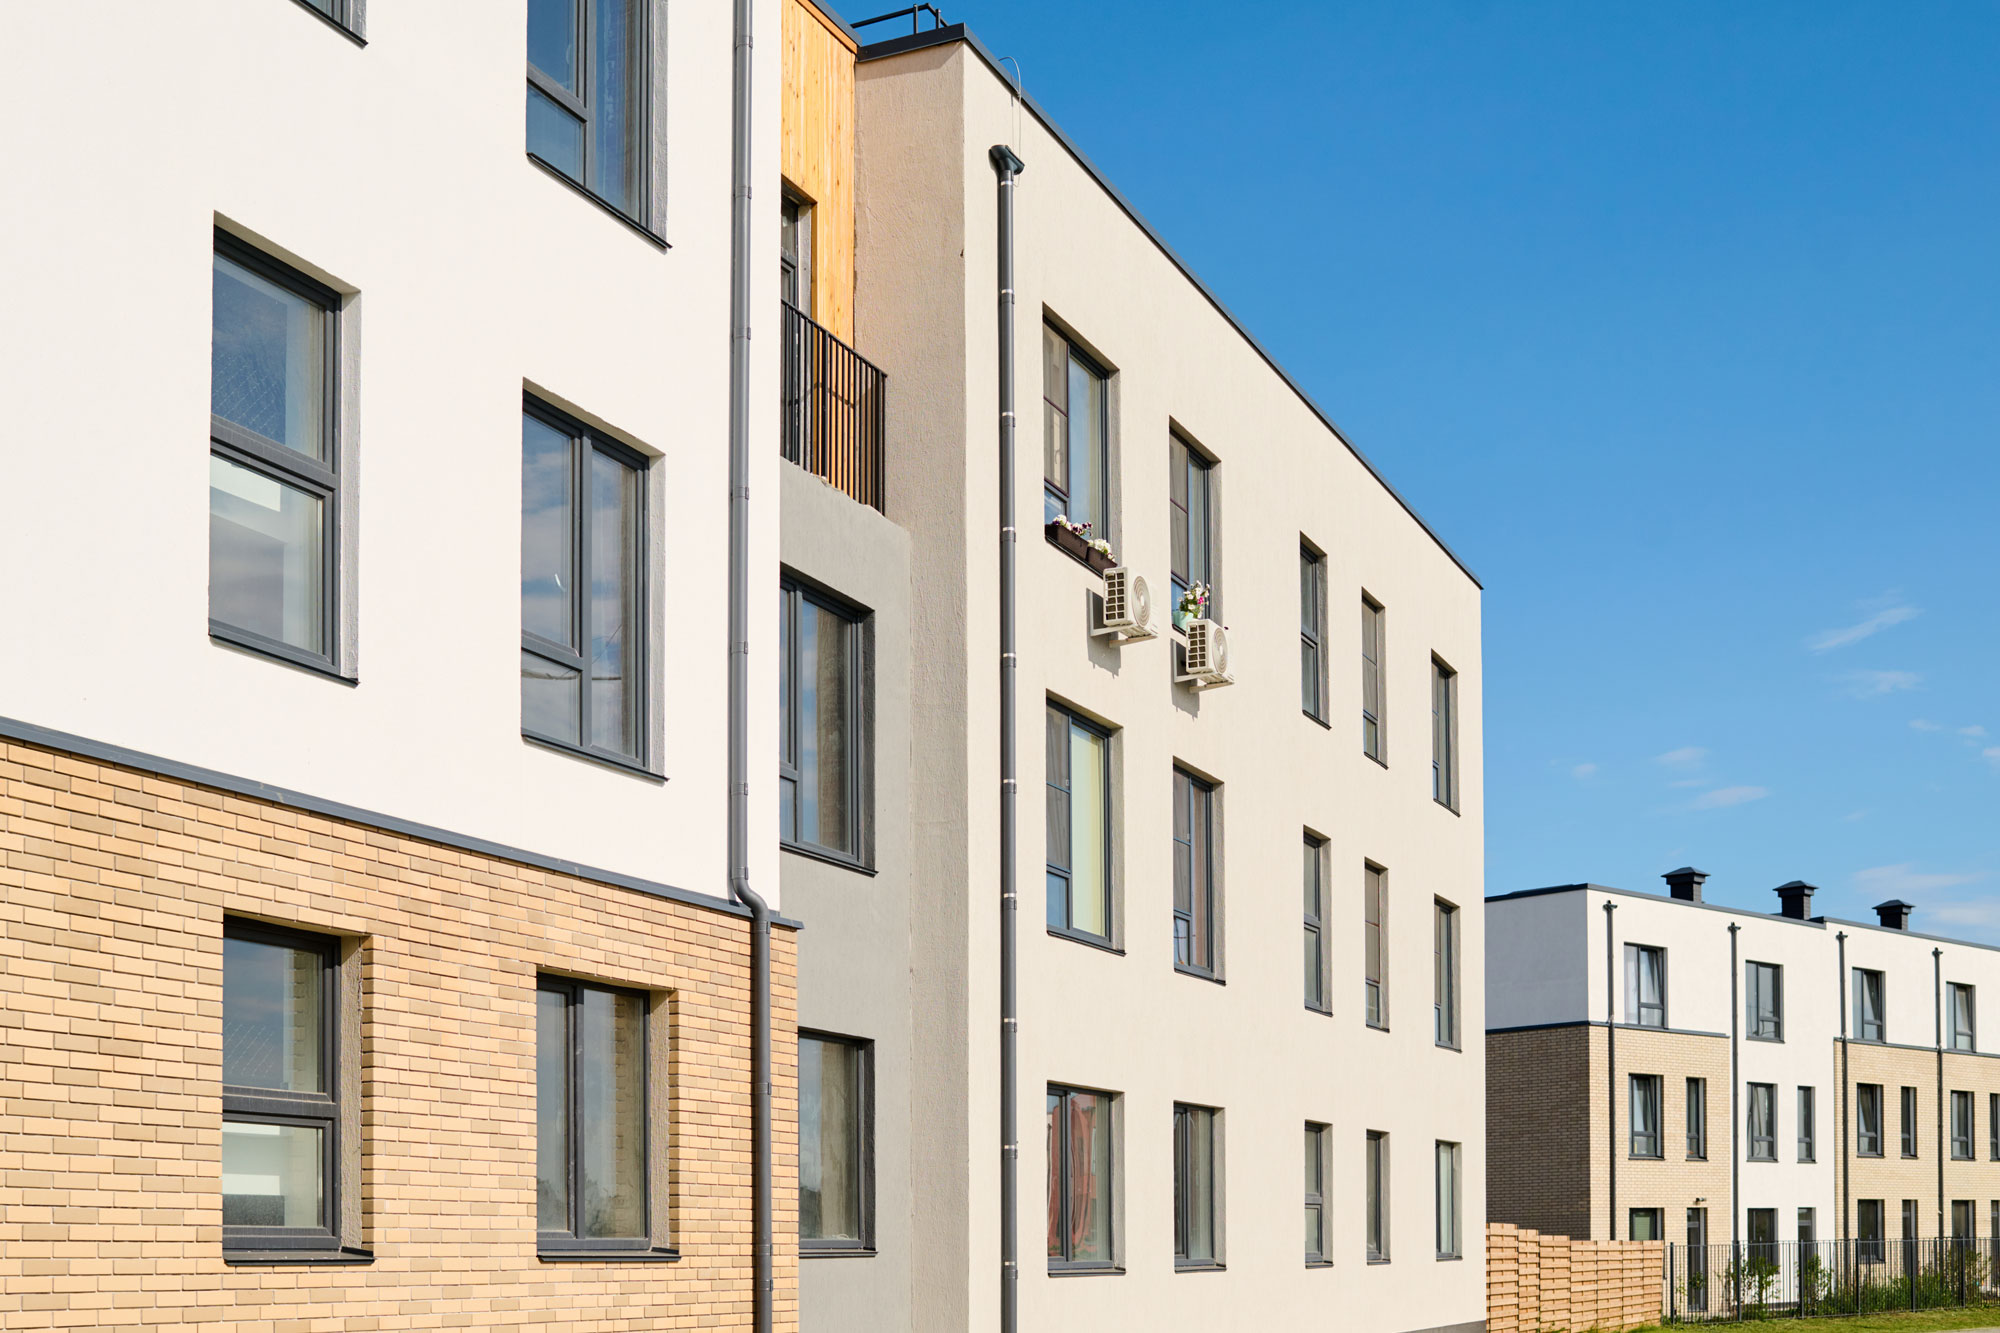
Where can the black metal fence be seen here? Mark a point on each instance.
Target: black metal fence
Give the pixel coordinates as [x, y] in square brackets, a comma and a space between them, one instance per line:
[835, 408]
[1707, 1284]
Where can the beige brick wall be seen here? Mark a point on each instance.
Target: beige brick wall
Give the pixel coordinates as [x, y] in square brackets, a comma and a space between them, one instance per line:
[1537, 1283]
[113, 889]
[1892, 1177]
[1673, 1183]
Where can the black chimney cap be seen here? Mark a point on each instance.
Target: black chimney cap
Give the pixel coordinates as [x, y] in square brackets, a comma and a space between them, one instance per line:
[1795, 898]
[1685, 883]
[1895, 914]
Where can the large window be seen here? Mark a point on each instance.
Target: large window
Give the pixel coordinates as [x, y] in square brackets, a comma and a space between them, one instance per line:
[1317, 1250]
[1763, 1235]
[1315, 924]
[1374, 713]
[1079, 826]
[273, 460]
[821, 724]
[280, 1096]
[1697, 1119]
[1645, 986]
[1191, 516]
[1444, 735]
[836, 1166]
[1312, 632]
[1868, 1120]
[1808, 1128]
[1376, 1171]
[1645, 1115]
[1870, 1016]
[592, 1156]
[583, 617]
[1080, 1166]
[1449, 1242]
[1762, 1127]
[1908, 1122]
[1444, 968]
[1075, 460]
[1961, 1126]
[1964, 1037]
[1195, 1192]
[1868, 1230]
[1375, 945]
[1194, 874]
[1764, 998]
[1644, 1224]
[587, 96]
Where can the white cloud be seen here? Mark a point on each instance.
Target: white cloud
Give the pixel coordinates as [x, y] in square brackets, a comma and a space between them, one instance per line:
[1582, 771]
[1727, 796]
[1869, 684]
[1974, 732]
[1827, 640]
[1685, 757]
[1904, 878]
[1920, 724]
[1992, 752]
[1689, 782]
[1853, 816]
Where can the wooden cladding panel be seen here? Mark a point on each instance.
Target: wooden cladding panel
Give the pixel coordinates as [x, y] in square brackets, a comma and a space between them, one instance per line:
[817, 154]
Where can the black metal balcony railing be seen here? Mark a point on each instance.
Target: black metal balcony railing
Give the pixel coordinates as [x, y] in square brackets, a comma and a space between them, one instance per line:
[834, 408]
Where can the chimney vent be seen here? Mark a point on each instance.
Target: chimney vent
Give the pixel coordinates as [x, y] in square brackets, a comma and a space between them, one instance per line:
[1685, 883]
[1895, 914]
[1795, 899]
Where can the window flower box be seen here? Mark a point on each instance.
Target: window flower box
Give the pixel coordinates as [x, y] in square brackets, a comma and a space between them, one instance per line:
[1073, 540]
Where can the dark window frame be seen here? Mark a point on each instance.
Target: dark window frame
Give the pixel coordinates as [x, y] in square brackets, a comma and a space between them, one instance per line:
[1374, 681]
[586, 443]
[1318, 990]
[1637, 1009]
[1657, 1216]
[322, 1111]
[1961, 1144]
[567, 1244]
[1375, 989]
[1376, 1196]
[1870, 1216]
[792, 593]
[344, 15]
[1993, 1129]
[1201, 927]
[1067, 871]
[1312, 634]
[1318, 1136]
[1187, 1116]
[1061, 495]
[1649, 1148]
[1875, 1029]
[864, 1050]
[1066, 1264]
[1808, 1123]
[1446, 987]
[1446, 1150]
[1911, 1138]
[583, 106]
[1964, 1037]
[1444, 734]
[1764, 1001]
[1186, 461]
[1869, 1110]
[1760, 1124]
[1697, 1119]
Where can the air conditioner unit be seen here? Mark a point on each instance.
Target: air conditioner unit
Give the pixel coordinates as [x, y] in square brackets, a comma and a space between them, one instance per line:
[1207, 656]
[1128, 606]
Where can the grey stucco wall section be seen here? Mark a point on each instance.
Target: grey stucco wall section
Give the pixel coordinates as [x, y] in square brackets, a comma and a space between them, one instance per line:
[855, 979]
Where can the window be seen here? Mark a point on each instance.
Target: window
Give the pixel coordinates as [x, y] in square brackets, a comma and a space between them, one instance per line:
[1444, 967]
[1808, 1226]
[1763, 1229]
[587, 96]
[1645, 1115]
[1910, 1260]
[1079, 827]
[1196, 1234]
[592, 1157]
[836, 1144]
[1961, 1126]
[1375, 944]
[1315, 928]
[1194, 874]
[273, 458]
[1645, 986]
[1080, 1165]
[1868, 1228]
[1644, 1224]
[1697, 1119]
[1993, 1133]
[822, 721]
[1764, 999]
[583, 506]
[1444, 735]
[1374, 714]
[1697, 1259]
[340, 11]
[1075, 462]
[1377, 1169]
[1963, 1036]
[1312, 633]
[1317, 1251]
[1449, 1245]
[280, 1093]
[1961, 1219]
[1870, 1017]
[1808, 1149]
[1192, 523]
[1763, 1122]
[795, 277]
[1909, 1122]
[1868, 1120]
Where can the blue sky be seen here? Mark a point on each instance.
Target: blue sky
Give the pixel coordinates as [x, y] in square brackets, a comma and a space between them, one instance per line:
[1682, 323]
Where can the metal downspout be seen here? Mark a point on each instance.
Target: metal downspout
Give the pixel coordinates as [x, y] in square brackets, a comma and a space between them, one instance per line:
[1846, 1142]
[1611, 1063]
[1008, 166]
[764, 1293]
[1937, 1002]
[1735, 1111]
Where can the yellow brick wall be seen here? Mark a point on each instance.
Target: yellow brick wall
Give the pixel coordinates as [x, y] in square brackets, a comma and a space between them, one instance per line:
[113, 889]
[1892, 1177]
[1672, 1183]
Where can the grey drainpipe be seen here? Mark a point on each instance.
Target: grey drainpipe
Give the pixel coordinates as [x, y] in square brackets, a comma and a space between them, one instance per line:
[1846, 1139]
[1008, 166]
[1735, 1112]
[764, 1293]
[1937, 1001]
[1611, 1061]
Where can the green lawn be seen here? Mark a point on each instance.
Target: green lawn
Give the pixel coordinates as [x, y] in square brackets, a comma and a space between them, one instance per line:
[1919, 1321]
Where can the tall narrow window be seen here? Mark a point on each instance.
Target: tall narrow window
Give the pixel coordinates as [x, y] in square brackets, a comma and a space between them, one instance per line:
[1191, 516]
[583, 603]
[1075, 464]
[1645, 986]
[820, 724]
[1909, 1122]
[1963, 1035]
[1080, 1166]
[1993, 1133]
[1697, 1119]
[1911, 1251]
[1763, 1235]
[795, 276]
[1868, 1231]
[1868, 1120]
[1808, 1226]
[1079, 827]
[1645, 1115]
[1376, 1167]
[1317, 1250]
[1315, 924]
[1870, 1018]
[590, 1106]
[1961, 1126]
[1444, 954]
[1449, 1245]
[280, 1098]
[1374, 713]
[587, 96]
[1194, 874]
[1762, 1129]
[273, 467]
[1195, 1232]
[836, 1193]
[1808, 1127]
[1697, 1259]
[1764, 999]
[1312, 632]
[1962, 1219]
[1375, 945]
[1444, 735]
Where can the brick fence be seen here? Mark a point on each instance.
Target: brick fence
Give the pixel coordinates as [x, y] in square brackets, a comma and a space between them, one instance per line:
[1536, 1282]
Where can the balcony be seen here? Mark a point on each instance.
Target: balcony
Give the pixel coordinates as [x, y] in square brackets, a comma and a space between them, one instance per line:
[834, 406]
